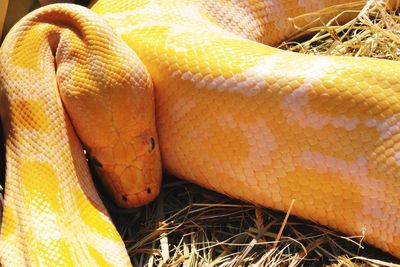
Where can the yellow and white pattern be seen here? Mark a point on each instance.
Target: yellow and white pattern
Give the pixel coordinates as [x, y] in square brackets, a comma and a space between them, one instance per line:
[232, 114]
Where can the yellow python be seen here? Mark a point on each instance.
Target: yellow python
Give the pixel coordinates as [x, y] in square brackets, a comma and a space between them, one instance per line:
[232, 114]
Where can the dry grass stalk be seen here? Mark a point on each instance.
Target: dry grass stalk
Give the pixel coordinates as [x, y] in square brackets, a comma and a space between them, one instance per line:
[374, 32]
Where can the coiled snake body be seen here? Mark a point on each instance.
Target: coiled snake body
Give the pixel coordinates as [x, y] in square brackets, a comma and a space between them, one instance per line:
[232, 114]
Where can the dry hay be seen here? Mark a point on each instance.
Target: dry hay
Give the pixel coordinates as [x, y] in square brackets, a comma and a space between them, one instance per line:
[374, 32]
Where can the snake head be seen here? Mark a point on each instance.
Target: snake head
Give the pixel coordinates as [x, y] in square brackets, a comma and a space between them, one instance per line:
[129, 169]
[112, 111]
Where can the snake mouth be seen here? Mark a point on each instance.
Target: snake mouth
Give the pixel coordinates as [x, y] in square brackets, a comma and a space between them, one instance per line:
[131, 196]
[138, 199]
[137, 187]
[128, 185]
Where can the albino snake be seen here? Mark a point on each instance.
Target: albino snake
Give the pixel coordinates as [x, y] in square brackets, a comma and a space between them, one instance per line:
[232, 114]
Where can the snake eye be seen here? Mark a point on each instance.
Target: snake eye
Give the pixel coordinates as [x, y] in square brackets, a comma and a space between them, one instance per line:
[97, 163]
[151, 144]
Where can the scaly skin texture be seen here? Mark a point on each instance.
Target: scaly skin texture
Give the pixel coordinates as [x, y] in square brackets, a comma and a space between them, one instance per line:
[53, 215]
[232, 114]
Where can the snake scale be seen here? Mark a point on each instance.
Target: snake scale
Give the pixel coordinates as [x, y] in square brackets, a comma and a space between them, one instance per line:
[206, 94]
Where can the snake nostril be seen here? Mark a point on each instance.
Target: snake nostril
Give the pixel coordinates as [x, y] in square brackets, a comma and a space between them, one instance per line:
[151, 144]
[148, 190]
[96, 162]
[125, 198]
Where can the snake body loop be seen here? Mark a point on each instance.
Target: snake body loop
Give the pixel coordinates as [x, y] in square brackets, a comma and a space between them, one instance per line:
[232, 114]
[53, 215]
